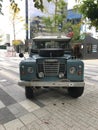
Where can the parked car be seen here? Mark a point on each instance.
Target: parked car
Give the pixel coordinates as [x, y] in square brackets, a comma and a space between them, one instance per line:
[51, 64]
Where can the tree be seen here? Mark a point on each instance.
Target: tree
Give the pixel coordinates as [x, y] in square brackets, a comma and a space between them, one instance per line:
[89, 9]
[48, 22]
[1, 7]
[60, 13]
[53, 20]
[15, 20]
[37, 3]
[56, 20]
[1, 37]
[75, 29]
[14, 16]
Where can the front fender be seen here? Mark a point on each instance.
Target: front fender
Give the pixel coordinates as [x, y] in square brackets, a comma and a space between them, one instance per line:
[78, 75]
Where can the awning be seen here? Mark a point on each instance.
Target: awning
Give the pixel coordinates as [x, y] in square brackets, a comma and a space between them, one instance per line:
[73, 15]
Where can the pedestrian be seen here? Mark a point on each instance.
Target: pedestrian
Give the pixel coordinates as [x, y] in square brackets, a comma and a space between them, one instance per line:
[70, 32]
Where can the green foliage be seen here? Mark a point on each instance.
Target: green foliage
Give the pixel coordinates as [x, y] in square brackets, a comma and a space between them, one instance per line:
[76, 30]
[48, 22]
[89, 9]
[14, 7]
[39, 4]
[60, 12]
[58, 17]
[1, 38]
[1, 7]
[14, 11]
[16, 42]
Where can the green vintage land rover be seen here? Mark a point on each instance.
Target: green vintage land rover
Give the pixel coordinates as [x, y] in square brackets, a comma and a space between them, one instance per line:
[51, 63]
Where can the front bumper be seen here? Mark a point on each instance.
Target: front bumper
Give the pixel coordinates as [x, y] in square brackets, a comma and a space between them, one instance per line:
[50, 84]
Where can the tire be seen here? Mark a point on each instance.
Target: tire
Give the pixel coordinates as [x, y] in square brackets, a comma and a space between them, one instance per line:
[75, 92]
[29, 92]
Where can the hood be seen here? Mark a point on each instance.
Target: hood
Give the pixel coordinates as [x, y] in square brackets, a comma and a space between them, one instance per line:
[34, 57]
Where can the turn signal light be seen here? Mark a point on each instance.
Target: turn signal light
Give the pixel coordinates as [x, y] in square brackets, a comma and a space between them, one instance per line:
[79, 73]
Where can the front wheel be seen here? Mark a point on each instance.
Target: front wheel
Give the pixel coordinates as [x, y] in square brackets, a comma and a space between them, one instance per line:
[29, 92]
[75, 92]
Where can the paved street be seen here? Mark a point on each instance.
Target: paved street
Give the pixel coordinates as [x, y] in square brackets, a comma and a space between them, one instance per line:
[51, 109]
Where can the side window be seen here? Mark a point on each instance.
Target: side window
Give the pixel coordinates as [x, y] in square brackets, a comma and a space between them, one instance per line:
[40, 45]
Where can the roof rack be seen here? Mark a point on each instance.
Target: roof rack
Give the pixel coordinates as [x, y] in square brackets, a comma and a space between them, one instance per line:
[50, 35]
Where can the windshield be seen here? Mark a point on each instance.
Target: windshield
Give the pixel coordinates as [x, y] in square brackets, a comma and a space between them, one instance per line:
[50, 44]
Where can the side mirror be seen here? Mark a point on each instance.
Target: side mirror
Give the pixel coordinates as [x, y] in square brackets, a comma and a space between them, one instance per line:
[21, 55]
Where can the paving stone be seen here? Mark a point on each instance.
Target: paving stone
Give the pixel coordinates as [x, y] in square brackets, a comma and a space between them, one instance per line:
[34, 125]
[1, 104]
[28, 118]
[40, 112]
[15, 91]
[17, 110]
[23, 128]
[91, 128]
[5, 98]
[50, 97]
[6, 115]
[37, 102]
[14, 125]
[1, 127]
[29, 105]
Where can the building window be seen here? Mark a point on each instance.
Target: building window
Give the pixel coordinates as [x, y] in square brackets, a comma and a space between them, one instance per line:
[89, 48]
[94, 48]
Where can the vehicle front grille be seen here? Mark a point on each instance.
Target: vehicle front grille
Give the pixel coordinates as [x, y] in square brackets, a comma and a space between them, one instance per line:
[51, 67]
[62, 68]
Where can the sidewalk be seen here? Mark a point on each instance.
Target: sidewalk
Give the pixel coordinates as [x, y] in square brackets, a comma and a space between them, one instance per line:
[3, 53]
[50, 110]
[91, 61]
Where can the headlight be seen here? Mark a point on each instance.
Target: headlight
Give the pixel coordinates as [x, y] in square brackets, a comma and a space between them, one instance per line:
[80, 66]
[22, 66]
[72, 70]
[30, 70]
[61, 75]
[41, 74]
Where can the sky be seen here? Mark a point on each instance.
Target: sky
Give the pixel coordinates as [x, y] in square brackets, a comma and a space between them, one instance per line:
[35, 12]
[49, 6]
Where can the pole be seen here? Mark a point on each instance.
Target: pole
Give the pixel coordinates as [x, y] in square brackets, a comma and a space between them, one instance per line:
[55, 11]
[26, 16]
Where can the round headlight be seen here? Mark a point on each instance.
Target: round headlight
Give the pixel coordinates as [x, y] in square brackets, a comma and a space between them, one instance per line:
[22, 66]
[41, 74]
[80, 66]
[72, 70]
[61, 75]
[30, 70]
